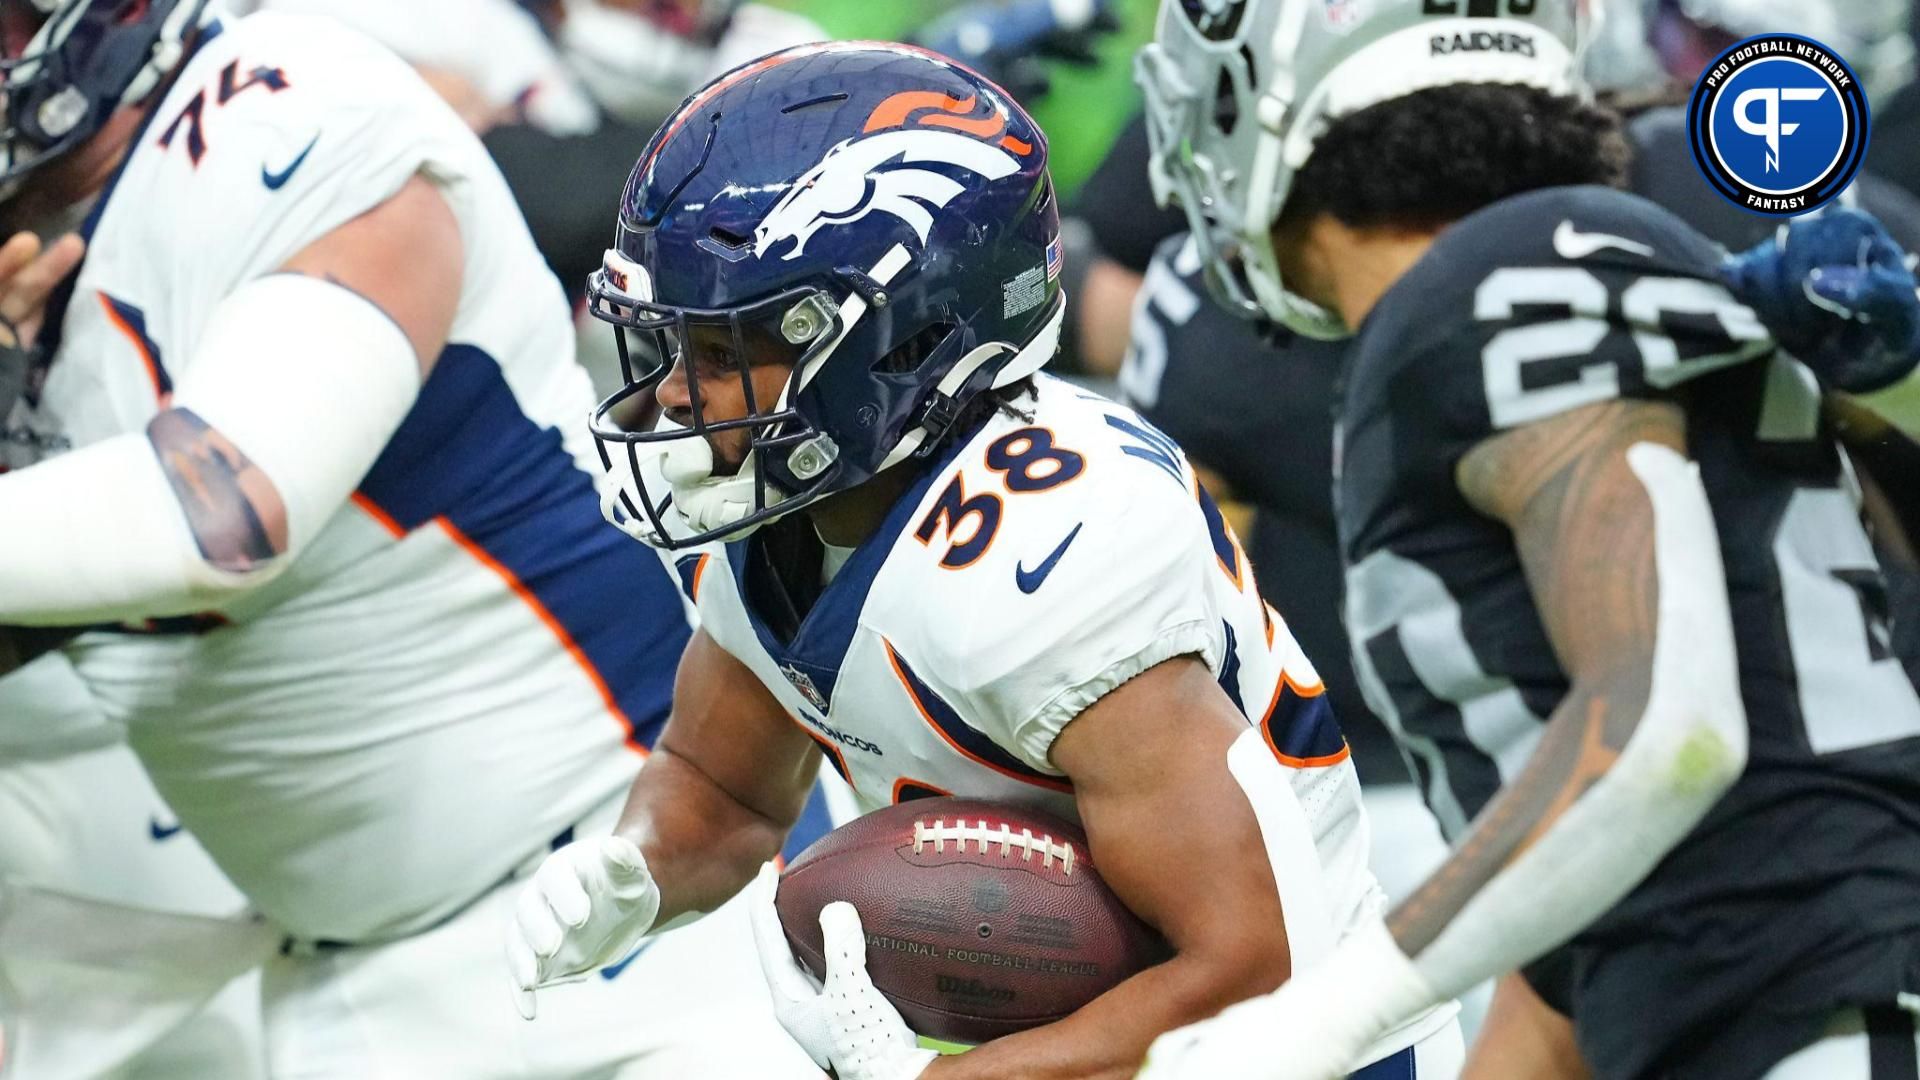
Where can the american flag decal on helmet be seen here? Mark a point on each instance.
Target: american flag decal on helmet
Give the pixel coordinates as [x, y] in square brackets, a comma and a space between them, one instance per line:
[1054, 259]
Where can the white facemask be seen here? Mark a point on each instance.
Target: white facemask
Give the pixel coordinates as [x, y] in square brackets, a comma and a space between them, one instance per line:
[701, 500]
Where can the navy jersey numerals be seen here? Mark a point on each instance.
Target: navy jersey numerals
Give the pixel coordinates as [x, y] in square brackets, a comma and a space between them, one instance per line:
[190, 120]
[1028, 461]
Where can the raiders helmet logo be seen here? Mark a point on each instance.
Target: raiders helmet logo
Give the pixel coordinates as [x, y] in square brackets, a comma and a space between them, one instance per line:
[873, 172]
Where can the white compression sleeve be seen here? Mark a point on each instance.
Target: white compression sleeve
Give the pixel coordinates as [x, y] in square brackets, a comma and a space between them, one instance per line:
[1689, 747]
[306, 378]
[309, 379]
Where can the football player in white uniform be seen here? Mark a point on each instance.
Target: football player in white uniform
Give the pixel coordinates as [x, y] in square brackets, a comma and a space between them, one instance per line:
[291, 487]
[913, 554]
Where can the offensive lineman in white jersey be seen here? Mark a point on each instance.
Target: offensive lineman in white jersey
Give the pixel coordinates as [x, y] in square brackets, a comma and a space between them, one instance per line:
[943, 571]
[291, 489]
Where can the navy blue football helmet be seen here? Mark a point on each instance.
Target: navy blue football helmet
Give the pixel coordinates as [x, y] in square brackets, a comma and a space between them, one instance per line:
[874, 216]
[66, 65]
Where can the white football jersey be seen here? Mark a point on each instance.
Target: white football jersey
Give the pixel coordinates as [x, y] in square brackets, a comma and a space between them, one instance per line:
[1031, 570]
[465, 660]
[46, 712]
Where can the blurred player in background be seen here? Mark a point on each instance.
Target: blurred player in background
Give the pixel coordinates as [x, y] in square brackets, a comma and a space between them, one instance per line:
[290, 488]
[1687, 35]
[1896, 150]
[1572, 463]
[636, 59]
[945, 572]
[492, 60]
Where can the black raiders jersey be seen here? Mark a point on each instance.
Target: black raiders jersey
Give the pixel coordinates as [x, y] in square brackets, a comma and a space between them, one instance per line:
[1802, 887]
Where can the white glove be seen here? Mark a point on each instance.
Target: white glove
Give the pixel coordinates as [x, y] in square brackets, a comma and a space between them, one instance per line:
[847, 1026]
[588, 905]
[1320, 1025]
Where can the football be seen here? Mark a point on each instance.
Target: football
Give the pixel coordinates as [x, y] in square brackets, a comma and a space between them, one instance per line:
[982, 919]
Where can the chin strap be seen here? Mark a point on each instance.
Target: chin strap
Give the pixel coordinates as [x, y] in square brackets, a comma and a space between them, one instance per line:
[1027, 361]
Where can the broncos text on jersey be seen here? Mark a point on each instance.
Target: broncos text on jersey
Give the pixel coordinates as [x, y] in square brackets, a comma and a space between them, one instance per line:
[1801, 889]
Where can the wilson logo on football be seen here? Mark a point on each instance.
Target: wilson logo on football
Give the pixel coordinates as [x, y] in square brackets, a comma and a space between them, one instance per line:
[874, 171]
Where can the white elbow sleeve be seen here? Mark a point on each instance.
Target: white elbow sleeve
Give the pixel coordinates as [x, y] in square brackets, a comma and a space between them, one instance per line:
[1696, 724]
[1688, 748]
[309, 379]
[306, 378]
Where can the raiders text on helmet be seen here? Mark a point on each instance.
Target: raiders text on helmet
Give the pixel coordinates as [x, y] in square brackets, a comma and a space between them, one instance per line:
[1238, 91]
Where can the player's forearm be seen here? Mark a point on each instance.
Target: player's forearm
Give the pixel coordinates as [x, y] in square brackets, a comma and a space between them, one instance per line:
[1585, 821]
[108, 541]
[701, 844]
[1109, 1037]
[1641, 747]
[260, 447]
[1581, 823]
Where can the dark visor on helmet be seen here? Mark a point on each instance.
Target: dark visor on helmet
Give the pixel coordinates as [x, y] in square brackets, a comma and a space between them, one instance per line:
[794, 329]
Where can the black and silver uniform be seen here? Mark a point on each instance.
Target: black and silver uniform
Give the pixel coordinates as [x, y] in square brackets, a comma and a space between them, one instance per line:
[1799, 894]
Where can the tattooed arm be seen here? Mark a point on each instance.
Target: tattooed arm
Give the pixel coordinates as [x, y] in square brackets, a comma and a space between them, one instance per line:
[1596, 541]
[235, 513]
[1621, 556]
[296, 383]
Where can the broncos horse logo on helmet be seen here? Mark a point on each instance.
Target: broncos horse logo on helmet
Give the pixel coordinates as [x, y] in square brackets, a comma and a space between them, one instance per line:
[854, 211]
[851, 181]
[68, 64]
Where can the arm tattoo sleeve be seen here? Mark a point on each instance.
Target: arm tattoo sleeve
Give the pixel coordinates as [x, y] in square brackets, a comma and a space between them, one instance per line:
[1584, 530]
[232, 507]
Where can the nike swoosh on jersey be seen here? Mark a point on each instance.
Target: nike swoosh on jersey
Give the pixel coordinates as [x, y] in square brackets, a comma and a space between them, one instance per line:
[161, 832]
[1031, 580]
[1574, 245]
[277, 180]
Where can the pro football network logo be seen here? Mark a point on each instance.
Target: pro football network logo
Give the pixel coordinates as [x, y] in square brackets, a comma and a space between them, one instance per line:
[1779, 124]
